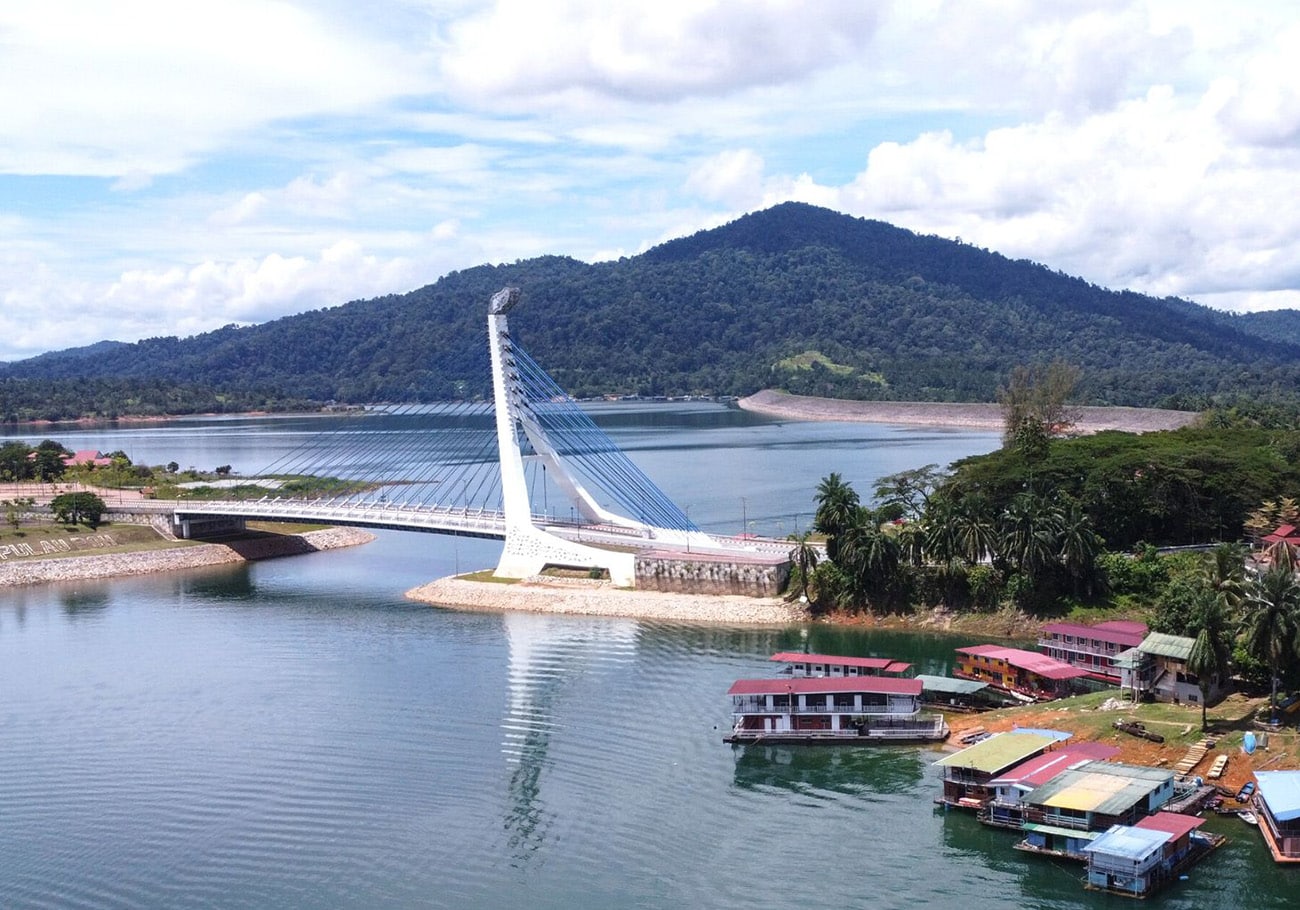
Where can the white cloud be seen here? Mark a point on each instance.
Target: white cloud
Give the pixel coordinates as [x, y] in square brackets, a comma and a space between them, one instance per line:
[648, 50]
[732, 177]
[146, 86]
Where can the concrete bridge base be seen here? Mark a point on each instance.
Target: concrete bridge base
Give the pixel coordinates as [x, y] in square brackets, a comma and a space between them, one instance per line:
[201, 527]
[687, 573]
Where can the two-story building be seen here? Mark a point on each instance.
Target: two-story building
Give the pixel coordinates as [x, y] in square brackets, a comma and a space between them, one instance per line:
[967, 774]
[1066, 814]
[1092, 648]
[1026, 674]
[1157, 669]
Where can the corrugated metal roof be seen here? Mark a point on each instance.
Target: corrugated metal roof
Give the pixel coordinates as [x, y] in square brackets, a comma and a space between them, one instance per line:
[1117, 632]
[1280, 791]
[1038, 771]
[997, 753]
[1031, 661]
[1128, 842]
[948, 685]
[1176, 646]
[826, 685]
[798, 657]
[1038, 828]
[1104, 788]
[1171, 823]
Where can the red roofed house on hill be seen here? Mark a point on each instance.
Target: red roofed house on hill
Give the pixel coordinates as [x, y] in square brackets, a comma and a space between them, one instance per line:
[1092, 648]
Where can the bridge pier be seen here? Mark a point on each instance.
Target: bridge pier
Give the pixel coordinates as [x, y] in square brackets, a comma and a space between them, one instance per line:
[200, 527]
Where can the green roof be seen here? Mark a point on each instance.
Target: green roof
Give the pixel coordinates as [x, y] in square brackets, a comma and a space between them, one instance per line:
[948, 685]
[1100, 787]
[997, 753]
[1176, 646]
[1038, 828]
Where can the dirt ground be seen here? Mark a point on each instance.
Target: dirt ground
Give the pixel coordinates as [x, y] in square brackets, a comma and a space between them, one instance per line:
[1281, 753]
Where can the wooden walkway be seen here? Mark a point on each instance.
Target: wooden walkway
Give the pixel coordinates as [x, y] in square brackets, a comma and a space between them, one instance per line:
[1193, 756]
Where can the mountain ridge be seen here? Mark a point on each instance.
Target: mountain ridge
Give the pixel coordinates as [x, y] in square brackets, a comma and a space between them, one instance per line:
[890, 314]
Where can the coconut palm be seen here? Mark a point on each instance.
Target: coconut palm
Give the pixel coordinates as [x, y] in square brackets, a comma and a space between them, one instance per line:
[837, 510]
[1212, 649]
[1079, 548]
[1224, 573]
[805, 556]
[1272, 604]
[974, 528]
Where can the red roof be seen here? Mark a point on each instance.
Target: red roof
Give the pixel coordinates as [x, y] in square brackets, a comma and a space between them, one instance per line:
[1039, 770]
[826, 685]
[1171, 823]
[1284, 532]
[1119, 631]
[1032, 661]
[870, 663]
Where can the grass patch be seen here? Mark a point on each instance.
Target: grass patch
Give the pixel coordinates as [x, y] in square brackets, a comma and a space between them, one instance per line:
[47, 540]
[487, 576]
[285, 527]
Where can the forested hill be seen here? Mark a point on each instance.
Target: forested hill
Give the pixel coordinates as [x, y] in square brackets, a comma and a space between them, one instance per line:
[795, 296]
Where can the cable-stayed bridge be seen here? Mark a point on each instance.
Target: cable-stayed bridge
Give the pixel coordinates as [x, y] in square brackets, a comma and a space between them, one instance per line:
[531, 468]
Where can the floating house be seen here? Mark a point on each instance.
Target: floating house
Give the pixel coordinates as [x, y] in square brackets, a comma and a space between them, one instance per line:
[1067, 813]
[967, 774]
[1278, 810]
[959, 694]
[800, 664]
[831, 709]
[1137, 860]
[1026, 674]
[1094, 648]
[1006, 808]
[1157, 669]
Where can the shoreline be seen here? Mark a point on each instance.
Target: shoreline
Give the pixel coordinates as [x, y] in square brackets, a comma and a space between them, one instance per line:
[579, 597]
[150, 562]
[964, 415]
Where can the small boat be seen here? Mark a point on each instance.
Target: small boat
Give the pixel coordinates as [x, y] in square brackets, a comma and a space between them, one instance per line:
[1246, 791]
[1248, 817]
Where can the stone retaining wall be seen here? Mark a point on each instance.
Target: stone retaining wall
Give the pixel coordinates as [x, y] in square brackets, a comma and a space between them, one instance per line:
[144, 562]
[682, 575]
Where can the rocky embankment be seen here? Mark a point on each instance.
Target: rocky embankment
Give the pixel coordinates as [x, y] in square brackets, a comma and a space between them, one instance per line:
[581, 597]
[938, 414]
[145, 562]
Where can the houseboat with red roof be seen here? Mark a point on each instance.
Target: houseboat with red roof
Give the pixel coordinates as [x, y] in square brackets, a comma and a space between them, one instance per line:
[831, 709]
[799, 664]
[1026, 674]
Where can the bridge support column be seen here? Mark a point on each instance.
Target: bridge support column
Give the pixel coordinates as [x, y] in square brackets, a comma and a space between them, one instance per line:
[197, 527]
[529, 549]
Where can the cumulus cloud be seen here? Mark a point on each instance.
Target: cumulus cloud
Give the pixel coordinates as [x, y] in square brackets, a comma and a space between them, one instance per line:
[648, 50]
[145, 86]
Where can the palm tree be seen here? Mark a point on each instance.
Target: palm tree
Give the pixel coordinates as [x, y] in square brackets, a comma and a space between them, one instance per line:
[1079, 548]
[1030, 529]
[1273, 600]
[1212, 649]
[974, 528]
[837, 510]
[1224, 573]
[804, 555]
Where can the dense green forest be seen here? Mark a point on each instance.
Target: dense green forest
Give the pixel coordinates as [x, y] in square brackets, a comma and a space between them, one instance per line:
[794, 297]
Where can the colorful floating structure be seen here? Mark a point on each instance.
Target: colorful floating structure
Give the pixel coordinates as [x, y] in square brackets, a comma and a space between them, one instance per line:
[968, 774]
[829, 709]
[1007, 807]
[1137, 860]
[1066, 814]
[796, 663]
[1028, 675]
[1277, 811]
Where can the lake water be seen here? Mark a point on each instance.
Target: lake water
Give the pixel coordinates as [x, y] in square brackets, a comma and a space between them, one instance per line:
[295, 734]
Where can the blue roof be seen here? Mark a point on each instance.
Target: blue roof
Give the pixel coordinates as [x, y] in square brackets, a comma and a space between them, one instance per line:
[1130, 843]
[1280, 791]
[1058, 735]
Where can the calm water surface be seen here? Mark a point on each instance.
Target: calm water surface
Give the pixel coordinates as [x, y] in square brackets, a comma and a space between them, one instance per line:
[295, 734]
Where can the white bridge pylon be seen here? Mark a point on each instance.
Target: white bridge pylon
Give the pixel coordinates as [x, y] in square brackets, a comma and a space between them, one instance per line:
[528, 547]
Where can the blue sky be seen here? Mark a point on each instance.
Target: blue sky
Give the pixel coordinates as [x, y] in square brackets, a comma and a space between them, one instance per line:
[171, 167]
